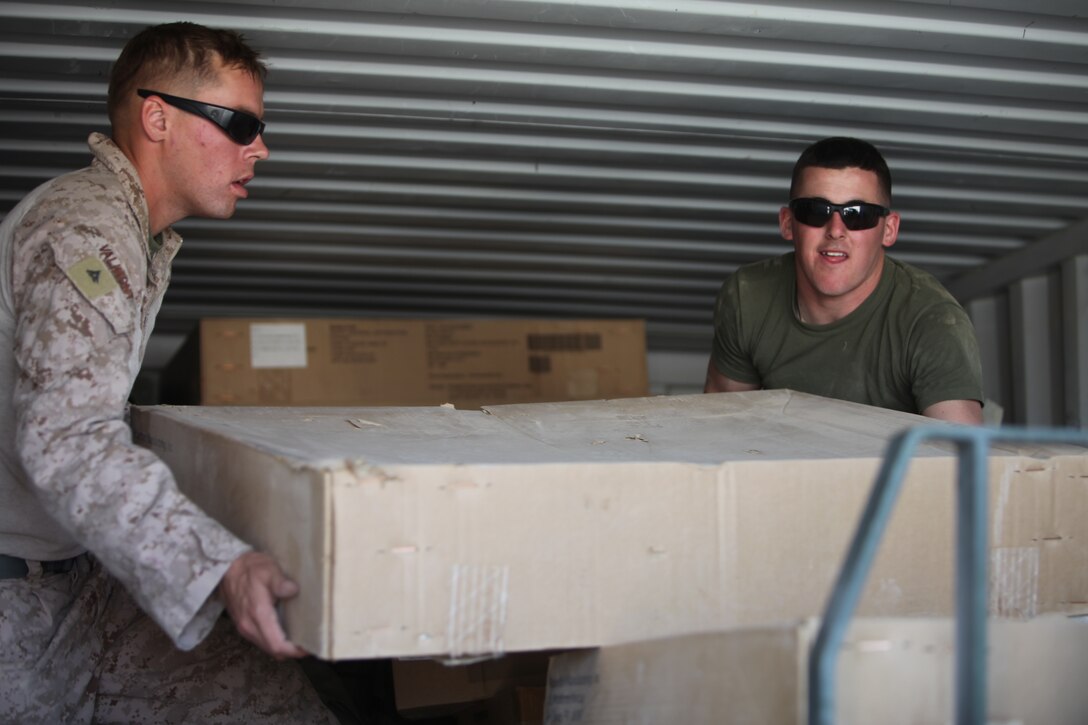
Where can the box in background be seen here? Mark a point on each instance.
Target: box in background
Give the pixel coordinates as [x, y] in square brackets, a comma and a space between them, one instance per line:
[508, 689]
[469, 363]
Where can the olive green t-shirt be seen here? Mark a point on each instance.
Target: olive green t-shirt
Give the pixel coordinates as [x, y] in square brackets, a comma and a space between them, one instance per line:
[908, 346]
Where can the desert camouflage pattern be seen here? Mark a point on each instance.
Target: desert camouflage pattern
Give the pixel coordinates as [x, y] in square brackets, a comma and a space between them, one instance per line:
[77, 649]
[75, 316]
[85, 292]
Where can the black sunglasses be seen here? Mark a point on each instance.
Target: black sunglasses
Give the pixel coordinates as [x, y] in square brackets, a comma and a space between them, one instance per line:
[856, 215]
[241, 127]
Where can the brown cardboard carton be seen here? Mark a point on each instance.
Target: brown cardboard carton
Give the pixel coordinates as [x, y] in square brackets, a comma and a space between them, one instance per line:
[890, 671]
[509, 683]
[442, 532]
[469, 363]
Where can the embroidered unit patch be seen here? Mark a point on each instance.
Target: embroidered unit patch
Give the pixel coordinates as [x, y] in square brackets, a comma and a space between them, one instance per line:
[92, 277]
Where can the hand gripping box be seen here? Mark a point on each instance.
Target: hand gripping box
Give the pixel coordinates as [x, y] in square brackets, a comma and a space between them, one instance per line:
[439, 532]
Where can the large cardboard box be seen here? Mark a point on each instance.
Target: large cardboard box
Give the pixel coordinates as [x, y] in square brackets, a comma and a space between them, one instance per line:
[891, 672]
[443, 532]
[468, 363]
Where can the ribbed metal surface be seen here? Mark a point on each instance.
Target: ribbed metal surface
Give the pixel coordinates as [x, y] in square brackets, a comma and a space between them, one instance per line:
[608, 158]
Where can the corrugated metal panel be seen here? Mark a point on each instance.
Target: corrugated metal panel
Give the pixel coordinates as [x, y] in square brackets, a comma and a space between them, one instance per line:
[602, 158]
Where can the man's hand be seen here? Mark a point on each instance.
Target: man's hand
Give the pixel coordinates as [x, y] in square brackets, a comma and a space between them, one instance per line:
[250, 589]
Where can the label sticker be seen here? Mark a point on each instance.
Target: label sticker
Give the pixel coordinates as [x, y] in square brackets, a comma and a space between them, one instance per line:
[92, 277]
[277, 345]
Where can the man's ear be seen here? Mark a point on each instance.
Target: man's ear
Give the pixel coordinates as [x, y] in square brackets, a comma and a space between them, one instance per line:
[785, 223]
[153, 118]
[891, 229]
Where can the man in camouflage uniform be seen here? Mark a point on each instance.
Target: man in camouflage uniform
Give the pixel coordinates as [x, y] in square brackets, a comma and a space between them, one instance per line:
[92, 528]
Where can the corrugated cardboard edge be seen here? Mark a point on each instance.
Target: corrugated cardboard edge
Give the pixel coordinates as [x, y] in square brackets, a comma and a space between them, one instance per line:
[302, 514]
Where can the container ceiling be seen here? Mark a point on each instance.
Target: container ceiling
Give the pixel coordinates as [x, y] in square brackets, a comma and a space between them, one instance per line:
[610, 158]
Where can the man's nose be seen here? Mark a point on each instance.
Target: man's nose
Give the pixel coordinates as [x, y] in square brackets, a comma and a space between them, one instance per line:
[259, 149]
[835, 228]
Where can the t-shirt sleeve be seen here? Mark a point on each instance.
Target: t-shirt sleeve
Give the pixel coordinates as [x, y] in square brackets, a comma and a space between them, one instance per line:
[730, 354]
[945, 361]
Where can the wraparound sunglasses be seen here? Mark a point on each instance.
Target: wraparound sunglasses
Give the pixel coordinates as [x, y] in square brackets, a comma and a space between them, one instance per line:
[856, 215]
[241, 127]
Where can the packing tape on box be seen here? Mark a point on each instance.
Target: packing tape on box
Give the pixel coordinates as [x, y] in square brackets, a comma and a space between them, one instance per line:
[1014, 582]
[477, 616]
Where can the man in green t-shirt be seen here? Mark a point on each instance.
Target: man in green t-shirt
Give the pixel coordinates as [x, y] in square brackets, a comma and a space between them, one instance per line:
[837, 317]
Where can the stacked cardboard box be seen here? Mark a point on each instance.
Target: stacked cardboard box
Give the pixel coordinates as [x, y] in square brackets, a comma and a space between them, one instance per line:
[506, 690]
[439, 532]
[892, 672]
[468, 363]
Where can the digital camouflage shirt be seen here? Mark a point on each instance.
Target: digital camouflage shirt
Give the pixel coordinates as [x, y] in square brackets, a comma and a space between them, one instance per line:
[80, 292]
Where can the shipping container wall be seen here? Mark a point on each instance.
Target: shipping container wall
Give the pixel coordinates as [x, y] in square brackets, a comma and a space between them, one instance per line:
[606, 158]
[1034, 339]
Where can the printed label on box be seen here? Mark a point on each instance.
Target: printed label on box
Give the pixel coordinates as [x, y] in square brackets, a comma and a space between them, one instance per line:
[277, 345]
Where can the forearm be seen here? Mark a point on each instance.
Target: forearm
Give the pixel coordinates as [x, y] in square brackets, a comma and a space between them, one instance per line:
[956, 411]
[718, 382]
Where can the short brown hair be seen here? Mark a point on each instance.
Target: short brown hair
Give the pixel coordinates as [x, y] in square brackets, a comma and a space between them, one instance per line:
[185, 51]
[840, 152]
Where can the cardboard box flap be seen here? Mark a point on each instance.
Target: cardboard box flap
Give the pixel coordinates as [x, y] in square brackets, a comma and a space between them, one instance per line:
[774, 424]
[763, 424]
[335, 437]
[700, 429]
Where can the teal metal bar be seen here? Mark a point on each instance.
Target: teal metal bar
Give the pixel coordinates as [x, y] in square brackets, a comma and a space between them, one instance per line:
[972, 552]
